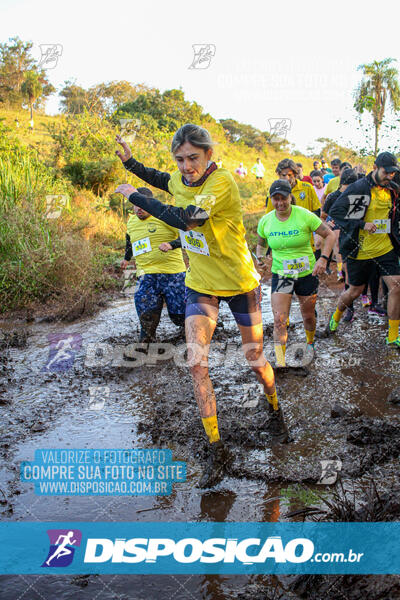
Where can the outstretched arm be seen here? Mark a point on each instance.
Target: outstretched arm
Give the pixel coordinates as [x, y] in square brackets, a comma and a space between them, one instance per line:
[155, 178]
[181, 218]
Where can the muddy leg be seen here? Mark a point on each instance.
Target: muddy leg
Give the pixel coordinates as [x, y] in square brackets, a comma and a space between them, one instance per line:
[280, 304]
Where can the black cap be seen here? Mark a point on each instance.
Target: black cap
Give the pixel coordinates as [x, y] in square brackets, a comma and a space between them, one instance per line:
[348, 176]
[388, 161]
[280, 186]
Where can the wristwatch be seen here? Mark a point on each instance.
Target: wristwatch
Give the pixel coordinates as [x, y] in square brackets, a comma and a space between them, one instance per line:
[325, 257]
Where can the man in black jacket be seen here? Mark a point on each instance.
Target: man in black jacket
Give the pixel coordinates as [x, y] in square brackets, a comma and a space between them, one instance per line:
[369, 220]
[347, 177]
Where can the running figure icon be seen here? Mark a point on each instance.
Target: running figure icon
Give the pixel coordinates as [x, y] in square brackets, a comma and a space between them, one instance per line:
[62, 550]
[63, 348]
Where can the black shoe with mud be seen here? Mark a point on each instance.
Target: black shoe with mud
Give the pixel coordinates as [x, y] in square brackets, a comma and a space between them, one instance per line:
[299, 371]
[276, 425]
[216, 467]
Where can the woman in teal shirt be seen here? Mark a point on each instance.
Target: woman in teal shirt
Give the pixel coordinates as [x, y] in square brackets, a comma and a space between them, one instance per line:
[287, 231]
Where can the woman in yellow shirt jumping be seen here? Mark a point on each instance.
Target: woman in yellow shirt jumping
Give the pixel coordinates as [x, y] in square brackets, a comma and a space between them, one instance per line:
[208, 214]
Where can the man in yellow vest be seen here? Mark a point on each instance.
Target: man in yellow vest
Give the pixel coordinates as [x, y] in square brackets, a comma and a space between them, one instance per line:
[303, 192]
[334, 183]
[160, 269]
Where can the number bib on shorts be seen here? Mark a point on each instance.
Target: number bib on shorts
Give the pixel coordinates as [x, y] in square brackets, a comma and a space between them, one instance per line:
[194, 241]
[141, 246]
[382, 225]
[296, 265]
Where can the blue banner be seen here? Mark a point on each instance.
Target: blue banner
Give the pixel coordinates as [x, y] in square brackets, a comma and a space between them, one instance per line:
[199, 548]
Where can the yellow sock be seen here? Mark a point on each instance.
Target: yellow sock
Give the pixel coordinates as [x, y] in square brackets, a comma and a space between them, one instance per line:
[339, 266]
[280, 351]
[273, 399]
[393, 332]
[210, 425]
[337, 315]
[287, 322]
[310, 335]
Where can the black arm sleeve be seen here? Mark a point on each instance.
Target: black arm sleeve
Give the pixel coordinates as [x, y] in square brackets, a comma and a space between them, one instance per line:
[128, 247]
[181, 218]
[155, 178]
[328, 203]
[176, 243]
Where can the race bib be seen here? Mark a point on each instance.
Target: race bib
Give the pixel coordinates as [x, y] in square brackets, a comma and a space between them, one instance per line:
[141, 246]
[194, 241]
[382, 225]
[296, 265]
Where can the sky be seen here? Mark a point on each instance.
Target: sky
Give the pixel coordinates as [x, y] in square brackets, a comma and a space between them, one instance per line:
[294, 61]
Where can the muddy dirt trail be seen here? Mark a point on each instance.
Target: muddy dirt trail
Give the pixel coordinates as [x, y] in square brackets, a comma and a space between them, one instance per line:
[343, 407]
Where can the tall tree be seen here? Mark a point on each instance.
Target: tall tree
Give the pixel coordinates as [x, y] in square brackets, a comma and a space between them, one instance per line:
[32, 89]
[116, 93]
[100, 99]
[164, 112]
[378, 86]
[15, 63]
[331, 149]
[76, 100]
[249, 135]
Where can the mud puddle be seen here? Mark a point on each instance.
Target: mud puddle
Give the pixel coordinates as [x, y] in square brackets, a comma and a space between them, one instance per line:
[338, 412]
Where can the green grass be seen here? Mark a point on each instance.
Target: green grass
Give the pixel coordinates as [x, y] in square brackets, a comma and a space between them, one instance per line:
[24, 179]
[299, 494]
[40, 257]
[40, 260]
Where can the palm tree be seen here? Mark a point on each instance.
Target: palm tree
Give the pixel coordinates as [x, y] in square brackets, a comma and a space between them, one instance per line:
[379, 84]
[32, 89]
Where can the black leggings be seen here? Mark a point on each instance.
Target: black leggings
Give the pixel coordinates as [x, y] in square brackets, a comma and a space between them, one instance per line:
[374, 287]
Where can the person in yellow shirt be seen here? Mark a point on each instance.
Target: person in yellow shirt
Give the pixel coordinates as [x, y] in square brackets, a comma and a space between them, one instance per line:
[367, 213]
[209, 215]
[160, 270]
[302, 191]
[334, 183]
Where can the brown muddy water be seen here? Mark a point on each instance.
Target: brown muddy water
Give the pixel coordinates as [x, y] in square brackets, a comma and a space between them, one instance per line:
[339, 411]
